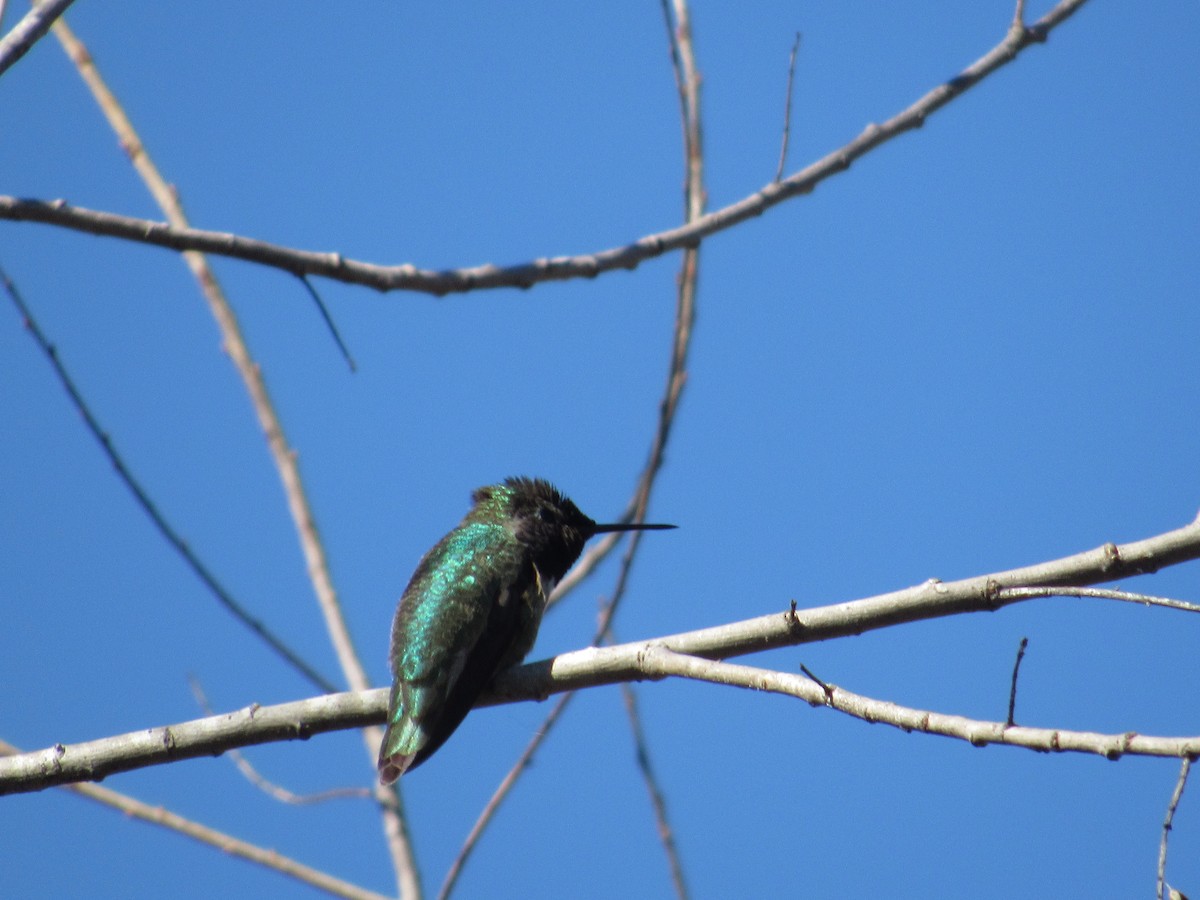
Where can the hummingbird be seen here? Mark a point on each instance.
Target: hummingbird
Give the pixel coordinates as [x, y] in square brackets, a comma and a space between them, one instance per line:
[473, 607]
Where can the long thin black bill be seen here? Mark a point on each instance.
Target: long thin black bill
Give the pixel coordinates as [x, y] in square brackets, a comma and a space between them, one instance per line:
[642, 526]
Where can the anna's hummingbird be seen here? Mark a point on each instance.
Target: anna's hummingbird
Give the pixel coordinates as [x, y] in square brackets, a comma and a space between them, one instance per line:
[472, 610]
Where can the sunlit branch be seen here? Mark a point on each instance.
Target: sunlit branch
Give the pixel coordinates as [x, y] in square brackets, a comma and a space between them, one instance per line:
[271, 859]
[29, 31]
[282, 454]
[595, 666]
[411, 278]
[658, 661]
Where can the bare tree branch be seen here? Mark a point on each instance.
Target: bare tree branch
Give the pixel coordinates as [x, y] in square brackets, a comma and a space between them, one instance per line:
[211, 736]
[29, 31]
[498, 796]
[271, 859]
[658, 661]
[594, 666]
[687, 82]
[409, 277]
[301, 719]
[1025, 593]
[1012, 691]
[256, 778]
[1176, 796]
[235, 345]
[282, 454]
[329, 323]
[658, 802]
[165, 528]
[930, 600]
[787, 108]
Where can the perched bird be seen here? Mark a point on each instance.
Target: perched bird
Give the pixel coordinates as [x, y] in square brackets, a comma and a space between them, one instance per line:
[472, 609]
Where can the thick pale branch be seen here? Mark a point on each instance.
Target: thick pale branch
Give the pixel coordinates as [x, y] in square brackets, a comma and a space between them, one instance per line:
[623, 662]
[211, 736]
[410, 278]
[930, 600]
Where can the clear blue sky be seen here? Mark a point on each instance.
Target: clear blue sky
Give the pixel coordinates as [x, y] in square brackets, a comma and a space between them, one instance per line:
[976, 349]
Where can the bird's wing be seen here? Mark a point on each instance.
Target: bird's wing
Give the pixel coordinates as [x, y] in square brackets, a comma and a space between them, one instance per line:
[456, 619]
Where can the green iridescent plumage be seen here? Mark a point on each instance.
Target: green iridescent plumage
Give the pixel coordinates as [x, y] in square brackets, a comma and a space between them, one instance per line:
[472, 609]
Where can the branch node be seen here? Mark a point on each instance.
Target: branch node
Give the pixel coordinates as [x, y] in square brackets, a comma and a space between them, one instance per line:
[1112, 557]
[1122, 747]
[991, 594]
[794, 625]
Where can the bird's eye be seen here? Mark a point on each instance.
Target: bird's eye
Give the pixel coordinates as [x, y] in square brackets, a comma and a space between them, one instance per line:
[544, 514]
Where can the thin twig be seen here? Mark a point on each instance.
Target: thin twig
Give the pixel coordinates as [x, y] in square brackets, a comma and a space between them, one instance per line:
[329, 323]
[498, 796]
[395, 830]
[787, 108]
[658, 802]
[29, 31]
[285, 458]
[268, 787]
[1012, 691]
[172, 537]
[1025, 593]
[1180, 783]
[270, 859]
[440, 282]
[1019, 15]
[828, 691]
